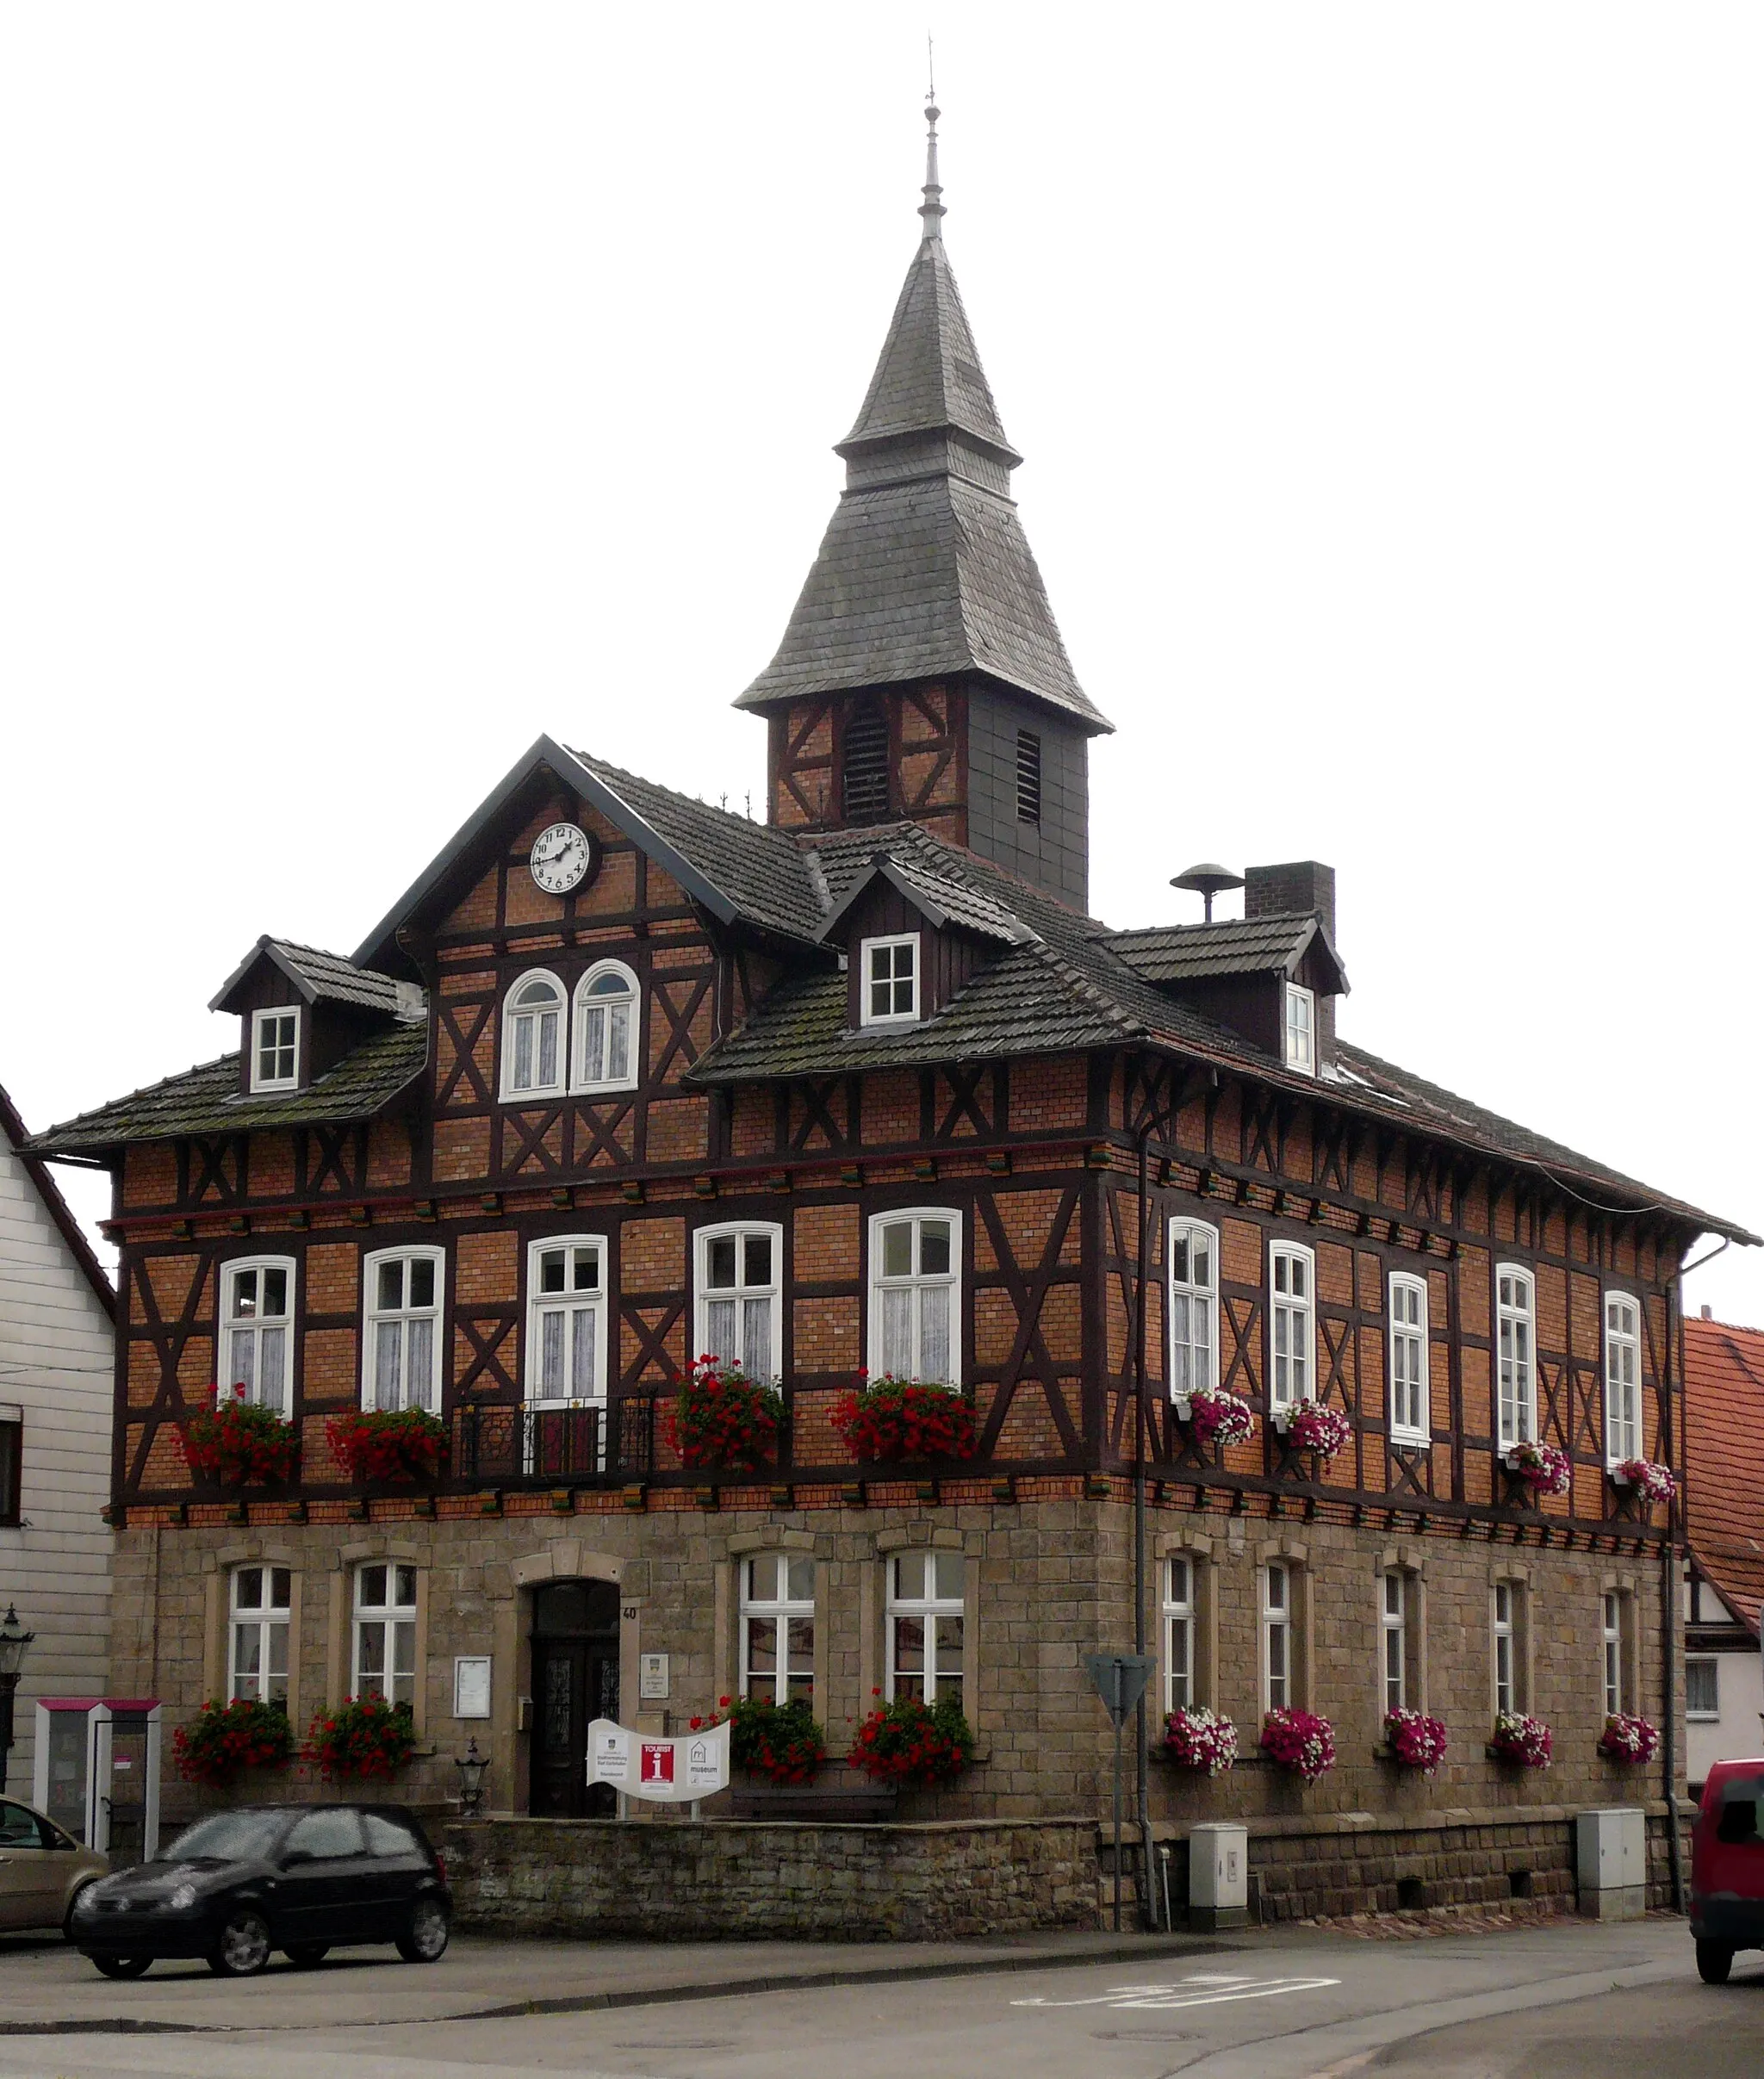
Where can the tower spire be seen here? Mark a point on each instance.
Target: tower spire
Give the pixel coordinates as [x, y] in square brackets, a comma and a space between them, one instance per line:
[932, 207]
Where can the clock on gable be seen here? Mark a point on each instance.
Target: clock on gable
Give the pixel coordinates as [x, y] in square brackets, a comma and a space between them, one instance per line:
[563, 856]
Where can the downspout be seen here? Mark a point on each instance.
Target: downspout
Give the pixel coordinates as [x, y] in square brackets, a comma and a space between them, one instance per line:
[1141, 1753]
[1670, 1597]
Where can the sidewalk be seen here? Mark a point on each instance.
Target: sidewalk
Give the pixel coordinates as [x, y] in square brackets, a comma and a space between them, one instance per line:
[44, 1985]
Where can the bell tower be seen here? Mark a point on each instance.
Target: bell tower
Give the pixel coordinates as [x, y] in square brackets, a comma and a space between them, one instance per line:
[921, 675]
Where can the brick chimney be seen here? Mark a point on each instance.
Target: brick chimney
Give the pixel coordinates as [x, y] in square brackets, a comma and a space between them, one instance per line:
[1301, 886]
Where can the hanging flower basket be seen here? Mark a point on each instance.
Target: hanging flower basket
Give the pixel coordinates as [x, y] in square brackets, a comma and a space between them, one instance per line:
[233, 1441]
[224, 1739]
[1198, 1739]
[1415, 1740]
[389, 1444]
[905, 1742]
[890, 1419]
[722, 1418]
[367, 1737]
[1299, 1742]
[1541, 1466]
[1310, 1426]
[780, 1741]
[1215, 1417]
[1629, 1738]
[1652, 1482]
[1520, 1738]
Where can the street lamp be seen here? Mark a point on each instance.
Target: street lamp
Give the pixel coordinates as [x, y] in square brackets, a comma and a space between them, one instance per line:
[13, 1639]
[472, 1767]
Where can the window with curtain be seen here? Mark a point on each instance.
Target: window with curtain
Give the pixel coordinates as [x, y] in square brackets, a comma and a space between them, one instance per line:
[1393, 1617]
[532, 1037]
[778, 1628]
[1194, 1307]
[1179, 1685]
[925, 1616]
[1276, 1636]
[386, 1632]
[257, 1330]
[1623, 1378]
[915, 1295]
[1515, 1337]
[1409, 1414]
[1508, 1692]
[566, 1319]
[739, 1312]
[257, 1645]
[1613, 1640]
[1300, 1029]
[1292, 1278]
[402, 1344]
[607, 1028]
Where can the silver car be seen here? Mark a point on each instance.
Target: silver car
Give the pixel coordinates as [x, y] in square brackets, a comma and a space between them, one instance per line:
[42, 1870]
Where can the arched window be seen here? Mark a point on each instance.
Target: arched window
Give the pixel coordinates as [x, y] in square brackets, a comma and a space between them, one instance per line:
[607, 1028]
[532, 1037]
[864, 774]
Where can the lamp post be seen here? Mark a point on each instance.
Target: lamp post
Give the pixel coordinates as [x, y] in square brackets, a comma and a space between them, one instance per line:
[472, 1766]
[13, 1639]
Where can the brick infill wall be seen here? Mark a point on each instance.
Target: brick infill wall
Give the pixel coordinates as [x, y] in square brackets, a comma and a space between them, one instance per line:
[680, 1880]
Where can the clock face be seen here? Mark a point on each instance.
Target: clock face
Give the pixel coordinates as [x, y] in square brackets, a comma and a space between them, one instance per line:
[562, 857]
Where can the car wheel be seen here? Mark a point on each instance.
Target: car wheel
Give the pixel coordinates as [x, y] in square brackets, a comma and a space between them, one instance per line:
[425, 1938]
[73, 1904]
[123, 1967]
[1714, 1961]
[304, 1955]
[242, 1948]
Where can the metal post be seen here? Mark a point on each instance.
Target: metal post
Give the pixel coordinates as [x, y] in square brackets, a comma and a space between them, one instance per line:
[1141, 1753]
[1671, 1598]
[1117, 1715]
[8, 1687]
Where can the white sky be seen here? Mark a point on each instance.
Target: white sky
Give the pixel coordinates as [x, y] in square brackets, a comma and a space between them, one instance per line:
[382, 385]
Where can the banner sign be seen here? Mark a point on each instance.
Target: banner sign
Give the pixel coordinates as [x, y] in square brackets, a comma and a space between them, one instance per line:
[668, 1772]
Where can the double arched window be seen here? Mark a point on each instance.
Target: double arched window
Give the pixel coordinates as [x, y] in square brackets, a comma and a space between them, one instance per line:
[538, 1056]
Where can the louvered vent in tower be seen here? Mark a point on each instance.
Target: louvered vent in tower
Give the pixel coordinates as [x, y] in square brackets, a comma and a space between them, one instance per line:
[1028, 776]
[864, 776]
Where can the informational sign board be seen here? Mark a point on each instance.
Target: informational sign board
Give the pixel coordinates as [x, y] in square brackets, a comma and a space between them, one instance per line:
[652, 1676]
[667, 1771]
[471, 1685]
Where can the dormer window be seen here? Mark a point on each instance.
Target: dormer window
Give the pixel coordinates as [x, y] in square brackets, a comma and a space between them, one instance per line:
[532, 1041]
[605, 1025]
[276, 1049]
[890, 972]
[1300, 1029]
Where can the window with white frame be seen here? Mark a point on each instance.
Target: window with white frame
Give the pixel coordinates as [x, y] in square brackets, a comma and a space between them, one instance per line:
[1278, 1687]
[276, 1048]
[890, 974]
[1702, 1686]
[1194, 1307]
[740, 1310]
[1394, 1627]
[1612, 1631]
[915, 1294]
[1509, 1690]
[401, 1342]
[778, 1628]
[1180, 1687]
[607, 1028]
[1409, 1414]
[1515, 1340]
[1300, 1029]
[1623, 1378]
[257, 1653]
[257, 1328]
[532, 1037]
[386, 1632]
[1292, 1281]
[925, 1617]
[567, 1318]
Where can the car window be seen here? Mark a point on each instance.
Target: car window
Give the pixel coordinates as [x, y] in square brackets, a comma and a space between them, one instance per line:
[324, 1835]
[18, 1827]
[230, 1837]
[387, 1836]
[1738, 1822]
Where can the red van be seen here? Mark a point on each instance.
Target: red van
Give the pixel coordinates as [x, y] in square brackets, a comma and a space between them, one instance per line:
[1727, 1868]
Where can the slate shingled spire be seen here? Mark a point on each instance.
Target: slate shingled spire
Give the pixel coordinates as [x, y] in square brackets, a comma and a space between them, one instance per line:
[925, 571]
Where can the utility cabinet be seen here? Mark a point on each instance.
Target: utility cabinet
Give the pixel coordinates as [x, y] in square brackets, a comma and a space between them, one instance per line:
[1218, 1876]
[1611, 1863]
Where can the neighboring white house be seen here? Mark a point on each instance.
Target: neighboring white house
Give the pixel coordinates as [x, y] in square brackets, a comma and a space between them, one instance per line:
[1723, 1680]
[57, 1359]
[1723, 1462]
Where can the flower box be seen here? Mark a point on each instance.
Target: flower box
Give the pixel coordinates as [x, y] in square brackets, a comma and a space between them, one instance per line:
[1213, 1416]
[234, 1443]
[889, 1419]
[1299, 1742]
[367, 1737]
[1540, 1467]
[1201, 1740]
[1518, 1737]
[722, 1418]
[780, 1742]
[383, 1444]
[223, 1740]
[1629, 1738]
[911, 1743]
[1414, 1740]
[1310, 1426]
[1651, 1481]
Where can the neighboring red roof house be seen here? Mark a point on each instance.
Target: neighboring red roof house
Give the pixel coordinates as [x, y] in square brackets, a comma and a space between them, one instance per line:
[1724, 1461]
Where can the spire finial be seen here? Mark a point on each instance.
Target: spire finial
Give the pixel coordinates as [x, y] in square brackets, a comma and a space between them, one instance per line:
[932, 207]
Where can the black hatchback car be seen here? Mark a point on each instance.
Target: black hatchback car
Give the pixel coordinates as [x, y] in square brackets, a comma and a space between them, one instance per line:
[300, 1879]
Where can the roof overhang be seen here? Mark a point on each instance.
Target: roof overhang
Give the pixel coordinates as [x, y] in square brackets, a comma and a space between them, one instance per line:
[920, 890]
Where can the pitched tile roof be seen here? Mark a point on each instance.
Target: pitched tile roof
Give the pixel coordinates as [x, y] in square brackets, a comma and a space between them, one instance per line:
[207, 1099]
[1724, 1460]
[943, 898]
[1246, 945]
[327, 977]
[13, 1128]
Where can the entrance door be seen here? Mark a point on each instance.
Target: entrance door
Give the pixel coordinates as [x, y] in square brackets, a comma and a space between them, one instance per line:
[575, 1680]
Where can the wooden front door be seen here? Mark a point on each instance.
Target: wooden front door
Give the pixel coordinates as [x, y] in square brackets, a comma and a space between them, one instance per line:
[575, 1680]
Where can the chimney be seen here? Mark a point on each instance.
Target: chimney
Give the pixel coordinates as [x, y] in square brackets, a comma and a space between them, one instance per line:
[1708, 1313]
[1290, 891]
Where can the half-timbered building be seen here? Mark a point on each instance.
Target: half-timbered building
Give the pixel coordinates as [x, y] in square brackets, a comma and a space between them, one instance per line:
[621, 1078]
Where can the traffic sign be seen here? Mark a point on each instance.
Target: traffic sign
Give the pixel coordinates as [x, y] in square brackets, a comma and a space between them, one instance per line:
[1120, 1679]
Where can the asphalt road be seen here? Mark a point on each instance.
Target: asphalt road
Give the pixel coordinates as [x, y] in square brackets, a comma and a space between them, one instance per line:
[1556, 2001]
